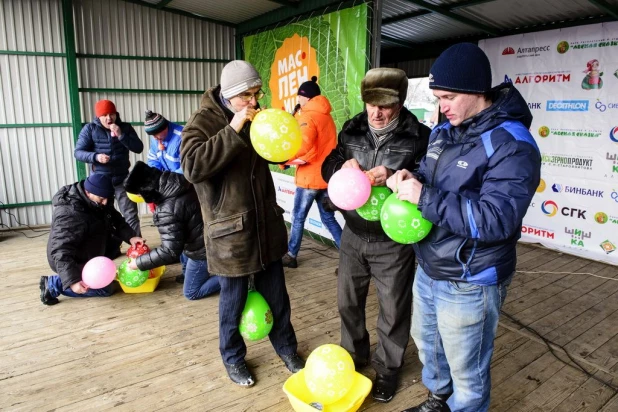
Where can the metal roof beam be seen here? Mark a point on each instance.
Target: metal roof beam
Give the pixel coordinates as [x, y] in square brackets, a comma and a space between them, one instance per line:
[290, 3]
[399, 42]
[469, 3]
[405, 16]
[163, 3]
[606, 7]
[180, 12]
[447, 13]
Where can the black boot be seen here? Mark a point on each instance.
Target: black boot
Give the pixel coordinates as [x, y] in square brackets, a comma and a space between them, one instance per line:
[289, 261]
[384, 387]
[293, 362]
[239, 374]
[434, 403]
[45, 294]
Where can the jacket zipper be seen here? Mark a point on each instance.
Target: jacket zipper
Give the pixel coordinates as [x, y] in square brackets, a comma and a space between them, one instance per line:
[257, 220]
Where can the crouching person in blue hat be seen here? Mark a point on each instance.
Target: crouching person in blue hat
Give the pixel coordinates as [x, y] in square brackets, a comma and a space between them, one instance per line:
[84, 225]
[178, 218]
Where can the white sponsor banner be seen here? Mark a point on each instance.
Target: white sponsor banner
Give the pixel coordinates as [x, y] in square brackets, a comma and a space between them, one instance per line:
[285, 188]
[569, 78]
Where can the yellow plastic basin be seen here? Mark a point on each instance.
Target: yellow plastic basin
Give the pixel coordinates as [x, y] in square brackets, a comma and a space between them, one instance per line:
[300, 397]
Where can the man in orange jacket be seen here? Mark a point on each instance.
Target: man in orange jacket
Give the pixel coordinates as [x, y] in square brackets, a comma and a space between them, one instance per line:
[319, 139]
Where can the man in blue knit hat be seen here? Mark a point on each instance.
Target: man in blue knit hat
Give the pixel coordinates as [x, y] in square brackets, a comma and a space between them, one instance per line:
[475, 185]
[165, 138]
[84, 225]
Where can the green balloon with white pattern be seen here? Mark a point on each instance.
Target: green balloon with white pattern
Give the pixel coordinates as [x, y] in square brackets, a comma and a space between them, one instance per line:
[403, 222]
[372, 208]
[131, 278]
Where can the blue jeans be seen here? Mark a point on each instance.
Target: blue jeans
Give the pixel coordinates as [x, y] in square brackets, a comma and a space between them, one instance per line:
[453, 326]
[303, 199]
[54, 284]
[271, 284]
[198, 282]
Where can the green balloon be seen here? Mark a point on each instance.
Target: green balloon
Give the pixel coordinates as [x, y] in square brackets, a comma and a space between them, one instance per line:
[371, 210]
[131, 278]
[256, 320]
[403, 222]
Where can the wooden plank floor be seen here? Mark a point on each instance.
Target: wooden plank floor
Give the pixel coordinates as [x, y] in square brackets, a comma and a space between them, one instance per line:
[158, 351]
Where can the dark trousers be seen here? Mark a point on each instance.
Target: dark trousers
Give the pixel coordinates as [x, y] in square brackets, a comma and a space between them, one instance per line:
[271, 284]
[391, 266]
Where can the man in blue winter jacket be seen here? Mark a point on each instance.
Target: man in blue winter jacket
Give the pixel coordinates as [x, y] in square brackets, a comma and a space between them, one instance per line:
[165, 138]
[475, 185]
[105, 143]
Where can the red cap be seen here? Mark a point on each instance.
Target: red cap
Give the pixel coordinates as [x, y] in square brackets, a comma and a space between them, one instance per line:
[103, 107]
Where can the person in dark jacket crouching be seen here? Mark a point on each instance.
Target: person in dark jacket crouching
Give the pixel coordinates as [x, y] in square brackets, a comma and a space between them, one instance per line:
[179, 220]
[84, 223]
[475, 185]
[382, 139]
[244, 226]
[105, 143]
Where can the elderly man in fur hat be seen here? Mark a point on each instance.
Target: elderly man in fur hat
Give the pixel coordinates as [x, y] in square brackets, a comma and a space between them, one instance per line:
[380, 140]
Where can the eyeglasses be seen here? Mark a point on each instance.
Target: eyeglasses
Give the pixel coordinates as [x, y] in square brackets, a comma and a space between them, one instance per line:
[246, 97]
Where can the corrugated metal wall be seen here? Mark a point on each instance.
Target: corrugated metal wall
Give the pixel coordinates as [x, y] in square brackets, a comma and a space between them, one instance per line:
[414, 68]
[183, 57]
[35, 161]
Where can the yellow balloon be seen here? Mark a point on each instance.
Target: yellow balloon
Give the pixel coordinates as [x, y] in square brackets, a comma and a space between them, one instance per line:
[275, 135]
[329, 373]
[135, 198]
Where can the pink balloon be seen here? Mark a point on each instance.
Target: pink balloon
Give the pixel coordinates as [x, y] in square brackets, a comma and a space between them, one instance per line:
[349, 188]
[99, 272]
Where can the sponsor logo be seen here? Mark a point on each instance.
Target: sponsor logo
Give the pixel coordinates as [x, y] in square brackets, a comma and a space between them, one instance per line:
[541, 187]
[285, 190]
[601, 217]
[534, 106]
[462, 164]
[593, 44]
[601, 106]
[558, 188]
[525, 51]
[567, 161]
[315, 223]
[549, 208]
[573, 212]
[577, 236]
[562, 47]
[607, 246]
[613, 134]
[545, 131]
[538, 232]
[551, 77]
[567, 106]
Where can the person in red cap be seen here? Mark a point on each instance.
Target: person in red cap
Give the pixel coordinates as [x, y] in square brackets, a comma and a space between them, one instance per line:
[105, 144]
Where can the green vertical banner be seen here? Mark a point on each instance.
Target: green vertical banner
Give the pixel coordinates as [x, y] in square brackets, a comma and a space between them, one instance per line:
[332, 47]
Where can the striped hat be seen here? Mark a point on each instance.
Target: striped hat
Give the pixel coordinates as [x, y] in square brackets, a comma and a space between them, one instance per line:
[238, 76]
[154, 123]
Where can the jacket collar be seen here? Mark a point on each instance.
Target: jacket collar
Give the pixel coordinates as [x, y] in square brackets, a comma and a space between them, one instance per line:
[359, 124]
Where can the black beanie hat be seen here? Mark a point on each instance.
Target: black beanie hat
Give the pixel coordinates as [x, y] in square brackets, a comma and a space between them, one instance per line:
[462, 68]
[100, 185]
[309, 89]
[143, 180]
[154, 122]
